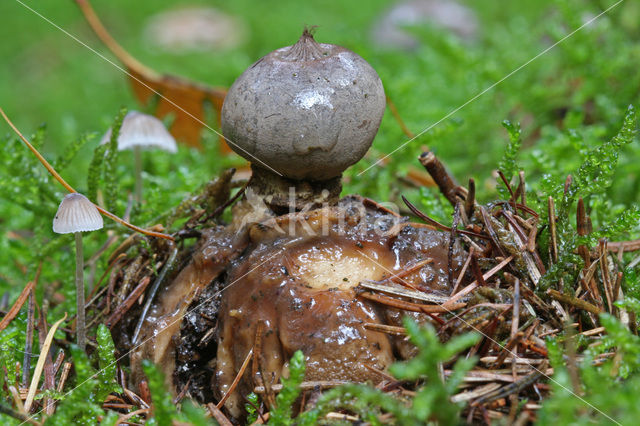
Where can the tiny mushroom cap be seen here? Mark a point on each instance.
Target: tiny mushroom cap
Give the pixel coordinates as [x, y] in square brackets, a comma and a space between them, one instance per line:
[76, 214]
[144, 131]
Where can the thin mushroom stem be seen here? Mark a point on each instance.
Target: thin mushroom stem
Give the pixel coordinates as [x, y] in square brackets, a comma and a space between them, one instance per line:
[80, 318]
[137, 159]
[28, 346]
[68, 187]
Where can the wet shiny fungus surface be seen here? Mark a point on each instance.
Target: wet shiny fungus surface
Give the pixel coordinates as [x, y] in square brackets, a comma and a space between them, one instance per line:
[293, 287]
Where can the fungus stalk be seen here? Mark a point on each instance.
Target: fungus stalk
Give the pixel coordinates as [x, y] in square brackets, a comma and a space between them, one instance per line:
[81, 333]
[137, 158]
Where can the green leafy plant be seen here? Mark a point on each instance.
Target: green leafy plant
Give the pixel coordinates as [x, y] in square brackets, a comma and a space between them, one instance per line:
[281, 414]
[592, 178]
[609, 389]
[83, 403]
[107, 383]
[110, 175]
[250, 408]
[80, 405]
[163, 407]
[508, 164]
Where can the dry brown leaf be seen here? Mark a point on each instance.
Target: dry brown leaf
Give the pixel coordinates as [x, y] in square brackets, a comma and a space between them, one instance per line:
[180, 97]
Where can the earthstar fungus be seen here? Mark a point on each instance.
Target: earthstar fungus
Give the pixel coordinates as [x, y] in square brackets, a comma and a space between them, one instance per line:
[269, 283]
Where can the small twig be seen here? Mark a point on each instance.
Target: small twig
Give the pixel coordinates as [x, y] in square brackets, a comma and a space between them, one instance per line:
[16, 397]
[515, 321]
[452, 241]
[50, 404]
[183, 392]
[419, 264]
[26, 291]
[257, 345]
[152, 292]
[581, 218]
[513, 222]
[477, 272]
[633, 245]
[476, 393]
[264, 418]
[344, 417]
[145, 392]
[489, 360]
[437, 224]
[470, 201]
[617, 293]
[523, 188]
[606, 277]
[236, 380]
[515, 387]
[227, 203]
[447, 184]
[125, 417]
[124, 307]
[398, 291]
[412, 307]
[218, 415]
[468, 289]
[388, 377]
[388, 329]
[63, 376]
[508, 185]
[396, 115]
[304, 386]
[530, 256]
[507, 349]
[518, 206]
[135, 399]
[492, 233]
[463, 270]
[574, 301]
[58, 362]
[593, 331]
[17, 415]
[531, 240]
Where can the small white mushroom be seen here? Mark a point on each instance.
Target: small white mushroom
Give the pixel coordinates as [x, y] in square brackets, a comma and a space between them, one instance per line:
[391, 30]
[194, 29]
[142, 131]
[76, 214]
